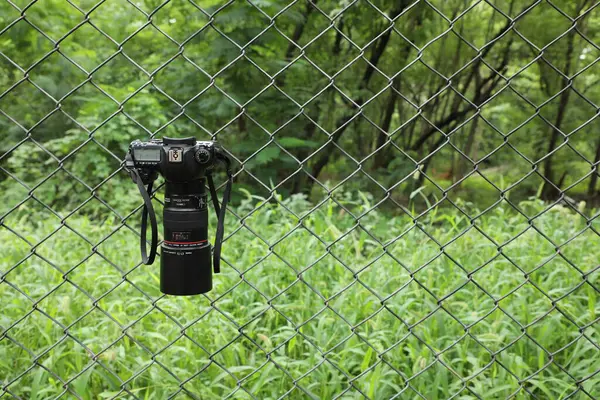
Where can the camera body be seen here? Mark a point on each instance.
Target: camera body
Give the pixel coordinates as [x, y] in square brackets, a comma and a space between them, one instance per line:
[177, 160]
[185, 255]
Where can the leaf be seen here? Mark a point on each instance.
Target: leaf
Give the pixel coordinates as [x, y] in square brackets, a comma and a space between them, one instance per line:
[292, 343]
[416, 192]
[106, 395]
[366, 360]
[267, 155]
[80, 385]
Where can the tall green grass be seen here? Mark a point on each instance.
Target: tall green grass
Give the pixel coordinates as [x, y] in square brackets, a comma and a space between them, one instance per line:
[325, 311]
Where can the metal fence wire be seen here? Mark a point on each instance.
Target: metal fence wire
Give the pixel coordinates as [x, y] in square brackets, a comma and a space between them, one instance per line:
[351, 266]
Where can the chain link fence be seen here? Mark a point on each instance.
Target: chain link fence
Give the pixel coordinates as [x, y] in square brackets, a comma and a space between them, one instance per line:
[415, 217]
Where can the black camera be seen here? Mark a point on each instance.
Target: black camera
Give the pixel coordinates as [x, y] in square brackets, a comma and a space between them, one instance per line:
[186, 165]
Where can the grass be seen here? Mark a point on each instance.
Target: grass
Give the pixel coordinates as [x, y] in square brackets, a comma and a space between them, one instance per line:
[322, 312]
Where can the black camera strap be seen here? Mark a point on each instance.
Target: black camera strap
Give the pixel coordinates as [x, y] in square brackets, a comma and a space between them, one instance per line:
[220, 214]
[147, 210]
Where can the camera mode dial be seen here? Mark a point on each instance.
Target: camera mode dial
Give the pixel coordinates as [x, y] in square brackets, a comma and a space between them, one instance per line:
[202, 155]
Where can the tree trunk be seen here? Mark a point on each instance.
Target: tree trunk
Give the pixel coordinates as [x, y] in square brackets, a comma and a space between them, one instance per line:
[381, 157]
[594, 177]
[461, 167]
[549, 190]
[425, 165]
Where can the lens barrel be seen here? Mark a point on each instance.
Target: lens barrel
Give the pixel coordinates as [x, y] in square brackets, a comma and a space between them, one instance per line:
[185, 257]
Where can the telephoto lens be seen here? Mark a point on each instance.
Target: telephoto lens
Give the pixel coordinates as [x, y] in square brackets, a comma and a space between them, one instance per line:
[186, 267]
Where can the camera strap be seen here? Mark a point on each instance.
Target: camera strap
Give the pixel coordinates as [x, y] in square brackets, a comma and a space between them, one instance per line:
[147, 210]
[220, 214]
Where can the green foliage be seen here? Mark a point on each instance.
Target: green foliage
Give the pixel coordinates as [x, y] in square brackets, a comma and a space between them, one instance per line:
[286, 304]
[117, 77]
[438, 111]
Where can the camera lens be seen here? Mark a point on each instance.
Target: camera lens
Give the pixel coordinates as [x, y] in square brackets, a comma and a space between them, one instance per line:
[185, 272]
[186, 267]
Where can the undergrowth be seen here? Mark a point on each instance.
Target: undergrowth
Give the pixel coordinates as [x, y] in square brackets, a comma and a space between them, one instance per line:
[325, 305]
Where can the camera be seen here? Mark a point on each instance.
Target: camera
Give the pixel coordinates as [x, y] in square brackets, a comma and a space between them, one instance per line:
[186, 165]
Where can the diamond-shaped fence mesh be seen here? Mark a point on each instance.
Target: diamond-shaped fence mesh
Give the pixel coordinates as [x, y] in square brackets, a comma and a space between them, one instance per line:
[415, 210]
